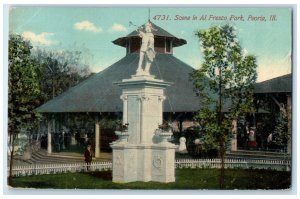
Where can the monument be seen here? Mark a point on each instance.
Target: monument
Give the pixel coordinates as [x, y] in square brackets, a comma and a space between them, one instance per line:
[182, 146]
[138, 155]
[147, 52]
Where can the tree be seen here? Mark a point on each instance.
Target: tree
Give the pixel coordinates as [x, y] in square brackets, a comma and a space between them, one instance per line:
[60, 70]
[280, 136]
[225, 85]
[23, 91]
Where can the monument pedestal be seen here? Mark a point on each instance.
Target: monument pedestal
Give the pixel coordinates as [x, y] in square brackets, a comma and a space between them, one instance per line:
[140, 157]
[143, 163]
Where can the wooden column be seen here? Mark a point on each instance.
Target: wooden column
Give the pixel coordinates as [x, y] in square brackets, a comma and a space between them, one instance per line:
[289, 116]
[234, 136]
[97, 136]
[49, 146]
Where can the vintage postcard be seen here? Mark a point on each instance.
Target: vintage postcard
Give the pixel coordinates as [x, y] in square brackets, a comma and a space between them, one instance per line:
[149, 98]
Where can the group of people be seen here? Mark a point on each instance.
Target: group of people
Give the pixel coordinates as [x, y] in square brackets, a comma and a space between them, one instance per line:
[83, 139]
[62, 140]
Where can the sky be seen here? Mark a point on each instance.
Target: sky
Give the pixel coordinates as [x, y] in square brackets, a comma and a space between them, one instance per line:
[91, 30]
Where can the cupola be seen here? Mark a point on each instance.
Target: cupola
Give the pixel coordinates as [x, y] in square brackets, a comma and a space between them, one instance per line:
[164, 42]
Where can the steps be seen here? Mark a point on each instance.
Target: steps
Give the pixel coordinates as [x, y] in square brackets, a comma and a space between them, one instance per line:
[251, 154]
[42, 157]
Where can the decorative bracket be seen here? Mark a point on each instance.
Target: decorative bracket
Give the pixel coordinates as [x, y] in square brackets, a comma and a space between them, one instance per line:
[124, 97]
[143, 97]
[161, 98]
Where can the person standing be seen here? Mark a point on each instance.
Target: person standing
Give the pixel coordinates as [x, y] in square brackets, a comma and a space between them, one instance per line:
[252, 137]
[88, 157]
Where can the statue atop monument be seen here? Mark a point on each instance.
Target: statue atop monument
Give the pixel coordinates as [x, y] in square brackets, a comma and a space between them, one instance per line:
[147, 53]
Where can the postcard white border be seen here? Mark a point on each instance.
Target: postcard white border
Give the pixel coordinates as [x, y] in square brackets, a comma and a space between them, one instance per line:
[134, 193]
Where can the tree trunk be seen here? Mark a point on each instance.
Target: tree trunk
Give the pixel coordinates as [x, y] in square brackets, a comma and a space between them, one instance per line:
[222, 174]
[11, 158]
[222, 147]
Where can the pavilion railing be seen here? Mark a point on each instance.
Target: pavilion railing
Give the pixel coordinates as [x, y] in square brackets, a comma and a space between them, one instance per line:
[39, 169]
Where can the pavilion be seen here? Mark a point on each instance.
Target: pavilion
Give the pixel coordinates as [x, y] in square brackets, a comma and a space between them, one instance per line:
[275, 95]
[100, 95]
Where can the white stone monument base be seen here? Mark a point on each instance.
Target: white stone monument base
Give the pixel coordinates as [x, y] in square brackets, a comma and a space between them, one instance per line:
[132, 162]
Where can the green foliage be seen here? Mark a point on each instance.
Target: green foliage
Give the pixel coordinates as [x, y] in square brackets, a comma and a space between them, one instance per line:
[77, 121]
[23, 91]
[280, 136]
[59, 70]
[35, 76]
[224, 83]
[23, 86]
[110, 123]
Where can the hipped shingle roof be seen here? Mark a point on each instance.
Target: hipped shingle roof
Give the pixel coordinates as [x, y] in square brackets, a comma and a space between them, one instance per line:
[99, 93]
[282, 84]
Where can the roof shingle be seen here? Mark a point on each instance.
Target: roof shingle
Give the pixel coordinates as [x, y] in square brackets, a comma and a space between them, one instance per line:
[99, 93]
[282, 84]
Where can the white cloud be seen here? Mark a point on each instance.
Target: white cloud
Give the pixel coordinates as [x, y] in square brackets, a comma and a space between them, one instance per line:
[96, 68]
[273, 67]
[87, 26]
[118, 28]
[38, 39]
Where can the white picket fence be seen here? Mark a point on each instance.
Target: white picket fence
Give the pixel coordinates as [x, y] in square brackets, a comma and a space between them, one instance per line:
[281, 165]
[38, 169]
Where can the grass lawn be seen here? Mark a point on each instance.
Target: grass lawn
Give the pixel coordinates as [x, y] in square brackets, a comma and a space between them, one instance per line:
[185, 179]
